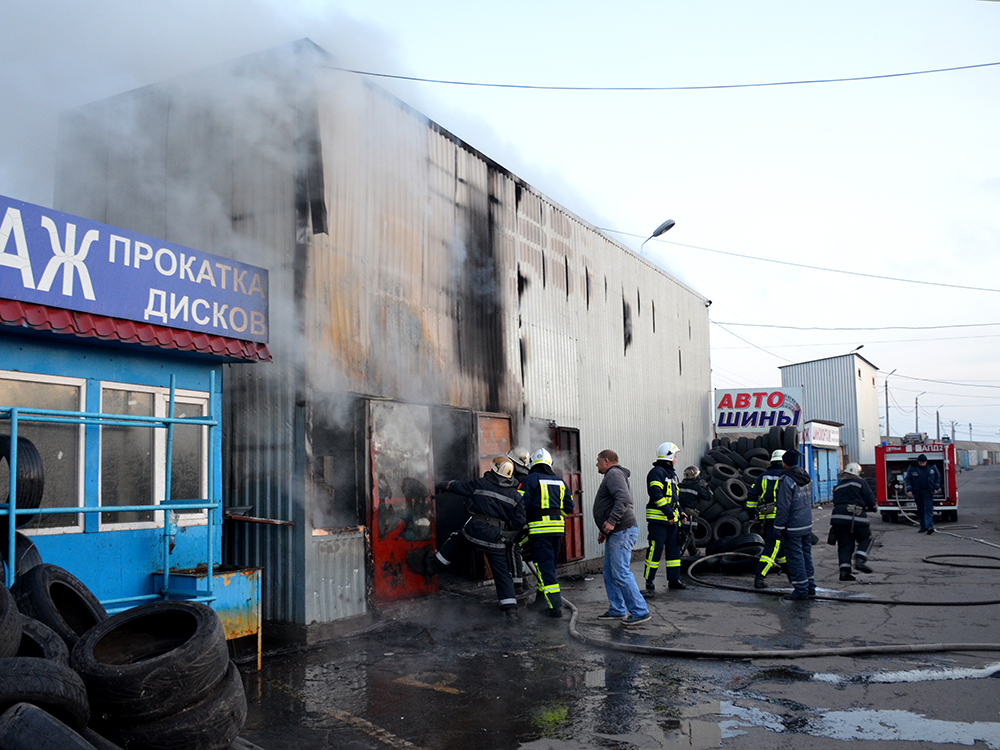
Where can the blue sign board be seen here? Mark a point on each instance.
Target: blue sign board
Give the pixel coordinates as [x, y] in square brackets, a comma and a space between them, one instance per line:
[55, 259]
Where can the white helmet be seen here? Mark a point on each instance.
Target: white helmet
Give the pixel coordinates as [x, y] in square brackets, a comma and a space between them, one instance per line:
[503, 467]
[541, 456]
[667, 452]
[776, 456]
[519, 455]
[853, 468]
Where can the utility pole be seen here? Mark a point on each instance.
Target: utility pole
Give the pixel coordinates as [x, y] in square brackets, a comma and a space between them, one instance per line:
[970, 432]
[938, 413]
[887, 433]
[953, 431]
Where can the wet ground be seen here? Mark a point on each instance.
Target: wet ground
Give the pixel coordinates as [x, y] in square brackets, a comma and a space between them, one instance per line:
[445, 672]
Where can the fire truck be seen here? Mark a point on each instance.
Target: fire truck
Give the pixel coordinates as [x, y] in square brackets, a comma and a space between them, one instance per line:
[891, 463]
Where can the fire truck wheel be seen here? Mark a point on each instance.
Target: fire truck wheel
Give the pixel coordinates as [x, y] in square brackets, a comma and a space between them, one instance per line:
[152, 660]
[51, 686]
[41, 641]
[890, 517]
[213, 723]
[58, 598]
[27, 727]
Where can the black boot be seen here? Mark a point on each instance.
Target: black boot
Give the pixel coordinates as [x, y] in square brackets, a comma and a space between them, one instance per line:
[555, 612]
[539, 604]
[758, 582]
[649, 592]
[675, 585]
[845, 575]
[861, 565]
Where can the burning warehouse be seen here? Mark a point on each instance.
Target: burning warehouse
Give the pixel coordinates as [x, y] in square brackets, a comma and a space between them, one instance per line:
[428, 310]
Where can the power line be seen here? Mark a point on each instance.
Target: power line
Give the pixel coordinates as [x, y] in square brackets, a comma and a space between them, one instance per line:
[946, 382]
[530, 87]
[746, 341]
[815, 268]
[878, 328]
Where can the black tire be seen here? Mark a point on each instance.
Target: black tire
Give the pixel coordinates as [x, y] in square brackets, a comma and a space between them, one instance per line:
[757, 453]
[722, 456]
[99, 741]
[751, 475]
[722, 498]
[40, 641]
[734, 543]
[27, 727]
[58, 598]
[211, 724]
[26, 555]
[772, 440]
[708, 460]
[687, 560]
[10, 624]
[152, 660]
[759, 463]
[47, 684]
[712, 512]
[726, 526]
[742, 445]
[753, 527]
[716, 443]
[737, 564]
[789, 439]
[701, 531]
[739, 462]
[737, 491]
[30, 479]
[736, 513]
[724, 441]
[758, 442]
[723, 472]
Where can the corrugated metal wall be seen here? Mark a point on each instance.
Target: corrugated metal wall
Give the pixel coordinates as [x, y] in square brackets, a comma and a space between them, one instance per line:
[441, 279]
[835, 391]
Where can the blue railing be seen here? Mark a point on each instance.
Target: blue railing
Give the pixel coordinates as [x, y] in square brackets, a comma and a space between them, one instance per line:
[17, 415]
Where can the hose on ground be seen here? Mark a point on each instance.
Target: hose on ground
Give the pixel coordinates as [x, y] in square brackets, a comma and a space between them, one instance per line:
[824, 597]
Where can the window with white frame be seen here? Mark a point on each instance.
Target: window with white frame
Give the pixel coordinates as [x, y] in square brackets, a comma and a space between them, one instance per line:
[133, 458]
[60, 445]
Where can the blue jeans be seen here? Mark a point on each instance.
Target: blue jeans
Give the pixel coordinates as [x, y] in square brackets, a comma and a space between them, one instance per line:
[623, 592]
[925, 510]
[798, 552]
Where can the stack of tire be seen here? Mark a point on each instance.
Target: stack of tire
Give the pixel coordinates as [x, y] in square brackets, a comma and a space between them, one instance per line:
[731, 468]
[155, 677]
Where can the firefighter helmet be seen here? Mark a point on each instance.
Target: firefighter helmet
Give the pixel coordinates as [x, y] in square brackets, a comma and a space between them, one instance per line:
[519, 455]
[691, 472]
[667, 452]
[853, 468]
[503, 467]
[541, 456]
[776, 456]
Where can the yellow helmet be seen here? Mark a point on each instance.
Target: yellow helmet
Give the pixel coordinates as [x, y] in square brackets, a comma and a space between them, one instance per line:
[503, 467]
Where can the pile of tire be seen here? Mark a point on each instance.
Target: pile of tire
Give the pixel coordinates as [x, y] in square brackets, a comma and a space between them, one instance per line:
[155, 677]
[731, 467]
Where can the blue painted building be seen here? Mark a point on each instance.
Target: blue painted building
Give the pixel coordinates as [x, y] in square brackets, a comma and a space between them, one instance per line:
[96, 321]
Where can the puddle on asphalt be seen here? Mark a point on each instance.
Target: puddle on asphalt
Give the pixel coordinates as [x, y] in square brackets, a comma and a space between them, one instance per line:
[915, 675]
[861, 724]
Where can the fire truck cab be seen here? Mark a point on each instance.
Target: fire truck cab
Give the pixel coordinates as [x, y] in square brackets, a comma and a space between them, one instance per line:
[891, 463]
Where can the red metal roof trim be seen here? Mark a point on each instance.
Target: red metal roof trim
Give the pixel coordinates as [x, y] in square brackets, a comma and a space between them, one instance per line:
[44, 318]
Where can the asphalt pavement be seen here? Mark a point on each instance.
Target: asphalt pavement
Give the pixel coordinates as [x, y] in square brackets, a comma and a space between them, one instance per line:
[908, 653]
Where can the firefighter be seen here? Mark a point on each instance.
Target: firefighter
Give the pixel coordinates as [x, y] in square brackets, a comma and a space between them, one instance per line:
[693, 489]
[496, 514]
[852, 499]
[663, 518]
[518, 456]
[546, 502]
[921, 482]
[763, 501]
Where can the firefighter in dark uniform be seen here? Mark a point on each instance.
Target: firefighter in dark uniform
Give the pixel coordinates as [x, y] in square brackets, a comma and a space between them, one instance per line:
[496, 513]
[518, 456]
[663, 519]
[693, 489]
[546, 503]
[763, 501]
[852, 500]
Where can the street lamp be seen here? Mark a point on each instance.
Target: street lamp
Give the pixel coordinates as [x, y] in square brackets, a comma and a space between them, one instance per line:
[662, 229]
[887, 433]
[916, 413]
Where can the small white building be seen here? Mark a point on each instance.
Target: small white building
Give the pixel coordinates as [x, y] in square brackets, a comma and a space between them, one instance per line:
[840, 389]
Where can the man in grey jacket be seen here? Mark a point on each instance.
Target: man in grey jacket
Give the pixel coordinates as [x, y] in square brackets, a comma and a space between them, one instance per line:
[614, 515]
[793, 525]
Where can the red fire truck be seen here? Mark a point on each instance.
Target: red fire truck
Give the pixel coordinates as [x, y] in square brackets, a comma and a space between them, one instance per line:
[891, 463]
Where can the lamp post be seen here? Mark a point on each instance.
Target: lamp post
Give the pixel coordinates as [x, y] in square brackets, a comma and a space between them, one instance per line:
[663, 228]
[916, 413]
[887, 433]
